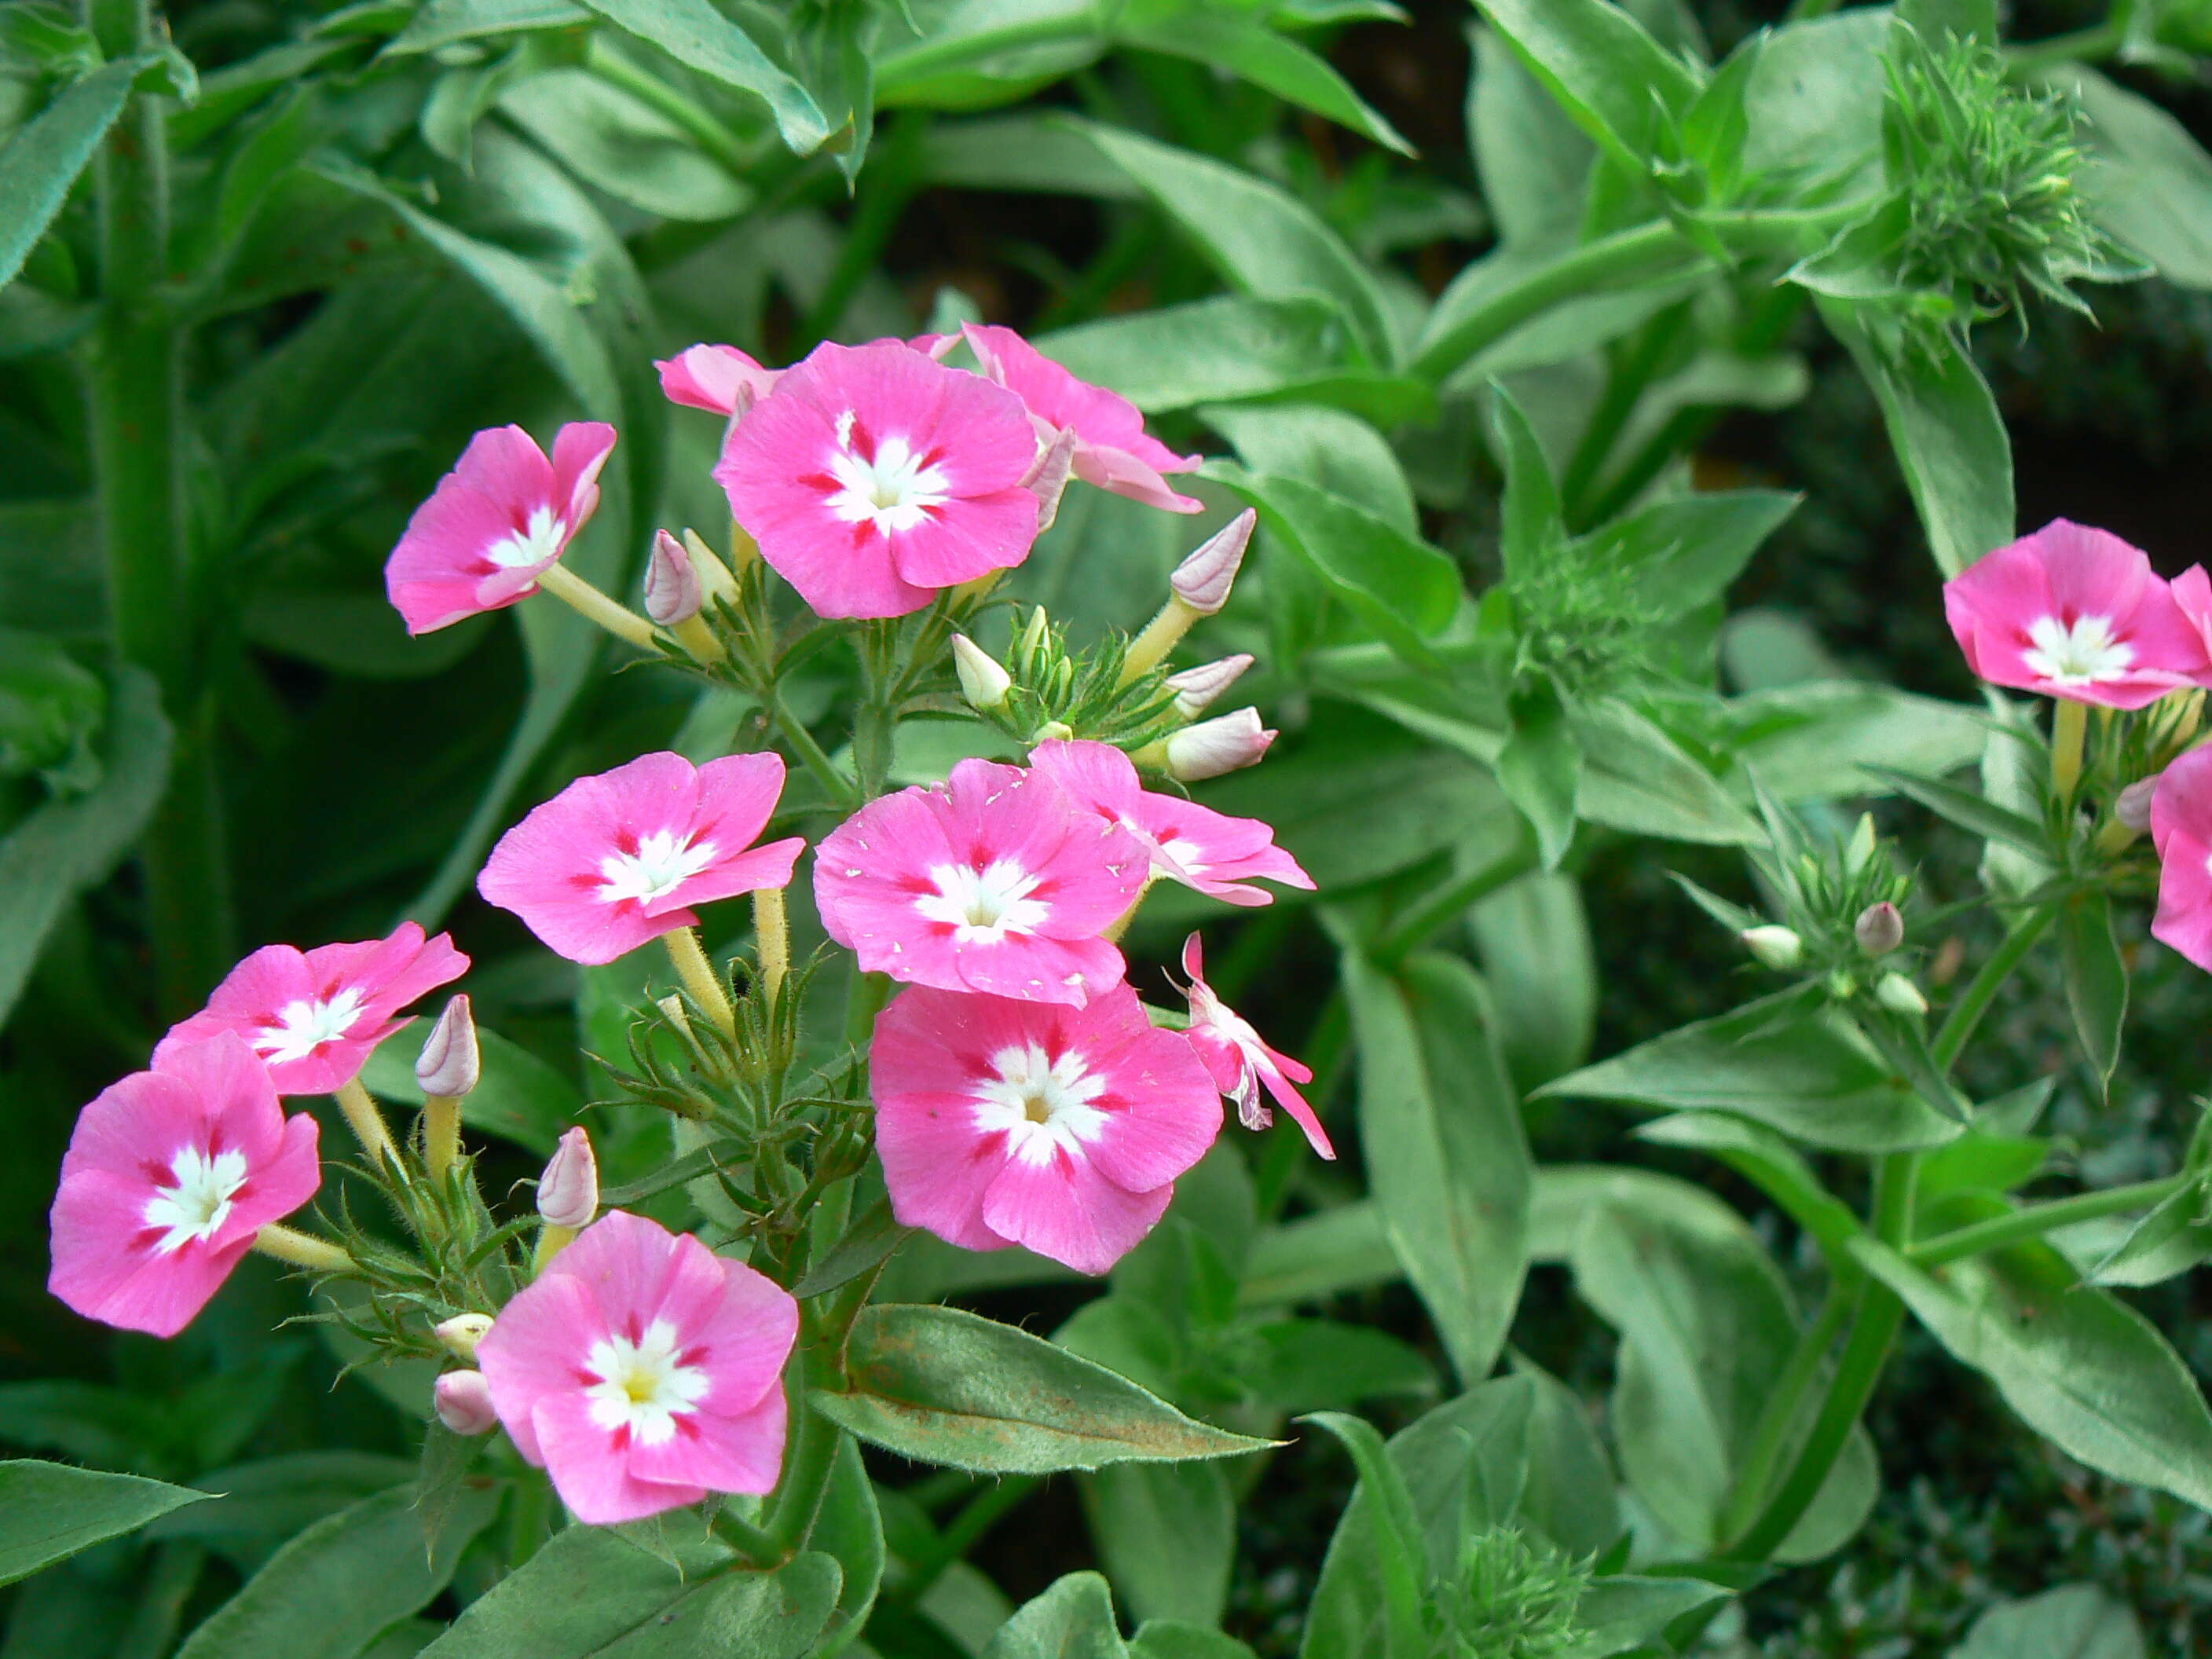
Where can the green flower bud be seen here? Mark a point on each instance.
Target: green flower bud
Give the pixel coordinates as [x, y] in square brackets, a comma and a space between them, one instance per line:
[1778, 948]
[1900, 996]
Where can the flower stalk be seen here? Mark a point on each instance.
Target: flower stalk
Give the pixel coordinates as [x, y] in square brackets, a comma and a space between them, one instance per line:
[579, 596]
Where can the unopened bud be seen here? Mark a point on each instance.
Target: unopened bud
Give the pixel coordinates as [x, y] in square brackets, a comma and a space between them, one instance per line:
[1203, 581]
[2133, 807]
[463, 1403]
[1035, 632]
[1221, 745]
[460, 1334]
[983, 680]
[1879, 929]
[1777, 948]
[1195, 687]
[1900, 996]
[1047, 479]
[450, 1064]
[1053, 731]
[673, 590]
[715, 576]
[568, 1191]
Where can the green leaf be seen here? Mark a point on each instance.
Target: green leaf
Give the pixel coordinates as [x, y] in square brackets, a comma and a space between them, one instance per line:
[701, 38]
[1325, 447]
[1073, 1619]
[1533, 939]
[2150, 182]
[1772, 1163]
[2174, 1238]
[327, 1593]
[1263, 241]
[1683, 552]
[1624, 1611]
[69, 842]
[1166, 1534]
[850, 1529]
[1636, 777]
[49, 1511]
[615, 142]
[1950, 441]
[43, 157]
[1447, 1158]
[2074, 1621]
[1807, 1075]
[1601, 65]
[1976, 814]
[1391, 1535]
[1171, 1639]
[1315, 1364]
[591, 1592]
[1540, 768]
[949, 1387]
[2096, 980]
[266, 1502]
[1534, 528]
[1815, 740]
[2084, 1370]
[519, 1097]
[1814, 105]
[1568, 1493]
[448, 22]
[1532, 159]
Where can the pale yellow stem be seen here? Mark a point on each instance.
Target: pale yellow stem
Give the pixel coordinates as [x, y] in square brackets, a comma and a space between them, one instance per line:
[772, 938]
[713, 575]
[744, 549]
[696, 638]
[551, 1241]
[1150, 648]
[1121, 926]
[441, 1133]
[700, 978]
[367, 1122]
[301, 1249]
[572, 590]
[2070, 727]
[2115, 837]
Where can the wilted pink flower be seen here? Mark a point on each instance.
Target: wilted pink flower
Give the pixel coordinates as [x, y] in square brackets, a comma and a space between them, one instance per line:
[1059, 1128]
[643, 1372]
[2181, 830]
[1207, 850]
[168, 1176]
[315, 1016]
[496, 522]
[1112, 449]
[719, 377]
[2076, 613]
[618, 858]
[994, 881]
[874, 475]
[462, 1400]
[1240, 1060]
[1223, 743]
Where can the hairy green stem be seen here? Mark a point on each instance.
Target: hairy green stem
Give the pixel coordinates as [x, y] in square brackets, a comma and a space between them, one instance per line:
[701, 127]
[749, 1541]
[1451, 899]
[811, 1456]
[1770, 1435]
[1628, 378]
[1974, 1001]
[2038, 1219]
[811, 756]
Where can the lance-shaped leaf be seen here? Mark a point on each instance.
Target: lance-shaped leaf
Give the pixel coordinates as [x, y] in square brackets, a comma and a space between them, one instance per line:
[2096, 979]
[49, 1511]
[944, 1386]
[695, 35]
[1072, 1619]
[1540, 767]
[43, 157]
[1601, 65]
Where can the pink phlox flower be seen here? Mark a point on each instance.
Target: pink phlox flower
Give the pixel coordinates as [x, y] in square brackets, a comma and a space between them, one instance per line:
[874, 475]
[2181, 830]
[1112, 448]
[1209, 851]
[496, 522]
[642, 1371]
[315, 1016]
[1240, 1060]
[718, 377]
[2077, 613]
[168, 1176]
[619, 859]
[994, 881]
[1059, 1128]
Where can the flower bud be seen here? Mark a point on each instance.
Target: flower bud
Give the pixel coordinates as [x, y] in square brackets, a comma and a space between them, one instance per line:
[983, 680]
[1900, 996]
[1203, 581]
[463, 1403]
[1052, 732]
[1221, 745]
[672, 590]
[1195, 687]
[568, 1191]
[1034, 635]
[2133, 807]
[450, 1064]
[461, 1334]
[1879, 929]
[1047, 479]
[1777, 948]
[715, 576]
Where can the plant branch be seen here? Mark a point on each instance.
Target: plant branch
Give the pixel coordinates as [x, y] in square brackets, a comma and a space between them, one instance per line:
[1974, 1002]
[2038, 1219]
[1451, 899]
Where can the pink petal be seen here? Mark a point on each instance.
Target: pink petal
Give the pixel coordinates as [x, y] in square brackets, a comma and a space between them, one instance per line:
[1294, 1102]
[971, 538]
[579, 450]
[105, 1267]
[591, 1472]
[1067, 1210]
[739, 1451]
[533, 1350]
[938, 1166]
[715, 378]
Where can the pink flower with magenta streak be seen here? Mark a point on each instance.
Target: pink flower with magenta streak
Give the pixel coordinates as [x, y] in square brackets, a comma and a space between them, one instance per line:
[643, 1372]
[994, 881]
[874, 475]
[1240, 1060]
[2076, 613]
[315, 1016]
[619, 859]
[497, 521]
[718, 377]
[1209, 851]
[169, 1174]
[1062, 1129]
[2181, 830]
[1112, 448]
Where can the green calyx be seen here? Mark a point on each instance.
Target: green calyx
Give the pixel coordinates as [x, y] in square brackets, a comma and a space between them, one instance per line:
[1512, 1598]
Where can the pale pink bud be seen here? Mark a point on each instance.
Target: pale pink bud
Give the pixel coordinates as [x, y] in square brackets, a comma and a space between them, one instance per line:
[461, 1334]
[672, 590]
[1879, 929]
[450, 1063]
[1195, 687]
[1203, 581]
[2133, 807]
[1221, 745]
[464, 1403]
[983, 680]
[568, 1191]
[1047, 479]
